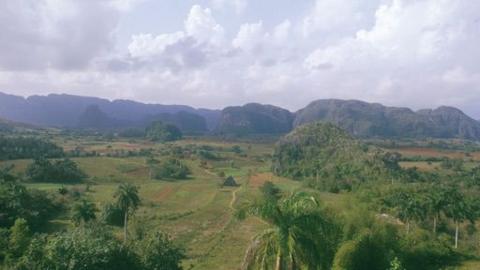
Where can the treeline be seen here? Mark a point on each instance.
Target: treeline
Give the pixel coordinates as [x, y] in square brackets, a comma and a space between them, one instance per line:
[59, 171]
[27, 147]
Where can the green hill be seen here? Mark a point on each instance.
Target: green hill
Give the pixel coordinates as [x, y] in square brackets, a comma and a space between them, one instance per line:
[326, 156]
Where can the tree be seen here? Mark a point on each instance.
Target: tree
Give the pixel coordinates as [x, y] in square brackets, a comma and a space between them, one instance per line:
[127, 200]
[407, 204]
[270, 191]
[159, 253]
[458, 209]
[20, 237]
[437, 203]
[303, 235]
[65, 170]
[16, 201]
[171, 168]
[370, 250]
[160, 132]
[85, 248]
[83, 212]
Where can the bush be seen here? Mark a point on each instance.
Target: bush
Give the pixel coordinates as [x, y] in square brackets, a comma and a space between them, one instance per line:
[112, 215]
[82, 249]
[159, 253]
[160, 132]
[368, 251]
[16, 201]
[63, 171]
[171, 168]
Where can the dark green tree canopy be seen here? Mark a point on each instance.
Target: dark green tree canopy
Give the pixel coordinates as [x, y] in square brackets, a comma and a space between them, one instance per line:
[160, 132]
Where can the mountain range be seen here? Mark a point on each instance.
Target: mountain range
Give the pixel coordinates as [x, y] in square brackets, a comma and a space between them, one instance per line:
[361, 119]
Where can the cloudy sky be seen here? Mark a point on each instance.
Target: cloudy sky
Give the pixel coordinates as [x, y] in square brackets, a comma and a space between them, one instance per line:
[213, 53]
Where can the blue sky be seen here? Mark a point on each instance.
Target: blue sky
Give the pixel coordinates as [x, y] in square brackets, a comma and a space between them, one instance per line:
[215, 53]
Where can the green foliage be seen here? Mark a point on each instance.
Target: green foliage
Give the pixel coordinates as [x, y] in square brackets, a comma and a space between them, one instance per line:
[326, 156]
[159, 132]
[158, 252]
[270, 191]
[61, 171]
[83, 211]
[127, 198]
[370, 250]
[452, 164]
[421, 251]
[112, 215]
[16, 202]
[20, 237]
[208, 155]
[81, 249]
[170, 168]
[27, 147]
[304, 235]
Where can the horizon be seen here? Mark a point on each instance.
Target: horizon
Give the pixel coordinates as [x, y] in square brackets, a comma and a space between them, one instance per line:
[211, 53]
[238, 105]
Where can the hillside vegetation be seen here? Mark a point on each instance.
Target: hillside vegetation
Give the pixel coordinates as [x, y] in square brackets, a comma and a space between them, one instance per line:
[326, 156]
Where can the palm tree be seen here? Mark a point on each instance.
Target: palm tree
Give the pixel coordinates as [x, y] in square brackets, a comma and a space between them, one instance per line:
[458, 209]
[301, 235]
[83, 212]
[436, 203]
[128, 201]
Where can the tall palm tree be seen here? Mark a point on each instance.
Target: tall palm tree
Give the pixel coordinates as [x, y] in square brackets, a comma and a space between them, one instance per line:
[301, 235]
[437, 203]
[128, 201]
[83, 212]
[458, 209]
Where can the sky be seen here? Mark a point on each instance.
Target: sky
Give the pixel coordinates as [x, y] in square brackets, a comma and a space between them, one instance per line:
[217, 53]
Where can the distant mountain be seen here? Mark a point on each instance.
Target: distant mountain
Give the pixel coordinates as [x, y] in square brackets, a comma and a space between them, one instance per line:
[361, 119]
[73, 111]
[254, 118]
[364, 119]
[94, 118]
[188, 123]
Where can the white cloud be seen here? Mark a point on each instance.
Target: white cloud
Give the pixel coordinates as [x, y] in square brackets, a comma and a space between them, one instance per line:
[147, 45]
[55, 34]
[201, 25]
[249, 36]
[238, 5]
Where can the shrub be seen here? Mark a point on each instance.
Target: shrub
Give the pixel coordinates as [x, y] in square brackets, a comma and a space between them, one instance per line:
[159, 132]
[65, 170]
[171, 168]
[112, 215]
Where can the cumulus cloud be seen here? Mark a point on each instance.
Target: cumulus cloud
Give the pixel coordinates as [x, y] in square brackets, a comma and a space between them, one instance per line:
[66, 34]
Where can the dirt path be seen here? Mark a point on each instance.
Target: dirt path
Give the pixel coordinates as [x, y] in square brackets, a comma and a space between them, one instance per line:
[234, 198]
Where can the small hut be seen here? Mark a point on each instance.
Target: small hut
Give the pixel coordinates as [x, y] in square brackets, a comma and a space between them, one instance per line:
[229, 182]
